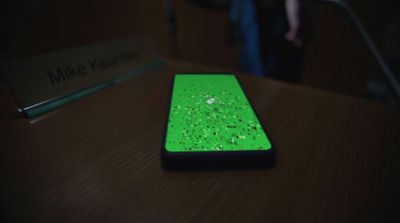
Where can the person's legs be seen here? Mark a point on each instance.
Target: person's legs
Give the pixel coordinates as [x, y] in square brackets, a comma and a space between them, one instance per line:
[250, 53]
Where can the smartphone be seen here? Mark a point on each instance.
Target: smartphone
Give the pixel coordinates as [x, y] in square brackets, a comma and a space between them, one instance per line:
[212, 124]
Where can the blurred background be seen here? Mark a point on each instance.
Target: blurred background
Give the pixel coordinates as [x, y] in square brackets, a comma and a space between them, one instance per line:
[349, 47]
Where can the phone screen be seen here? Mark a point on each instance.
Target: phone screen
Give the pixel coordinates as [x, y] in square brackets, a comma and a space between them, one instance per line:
[210, 113]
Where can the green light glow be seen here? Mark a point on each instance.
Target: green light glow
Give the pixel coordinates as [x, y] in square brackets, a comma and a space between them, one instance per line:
[211, 113]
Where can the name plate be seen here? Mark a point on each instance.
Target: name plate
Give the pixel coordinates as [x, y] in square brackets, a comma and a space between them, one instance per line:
[44, 82]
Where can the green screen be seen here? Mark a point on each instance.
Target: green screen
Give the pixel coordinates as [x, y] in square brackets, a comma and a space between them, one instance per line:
[211, 113]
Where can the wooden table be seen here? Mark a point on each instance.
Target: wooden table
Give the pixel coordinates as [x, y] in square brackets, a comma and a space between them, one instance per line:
[97, 160]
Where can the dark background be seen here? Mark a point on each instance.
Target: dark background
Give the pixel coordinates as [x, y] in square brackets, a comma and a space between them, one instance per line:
[335, 58]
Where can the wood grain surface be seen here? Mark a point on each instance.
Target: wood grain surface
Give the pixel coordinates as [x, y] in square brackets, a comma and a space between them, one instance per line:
[97, 159]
